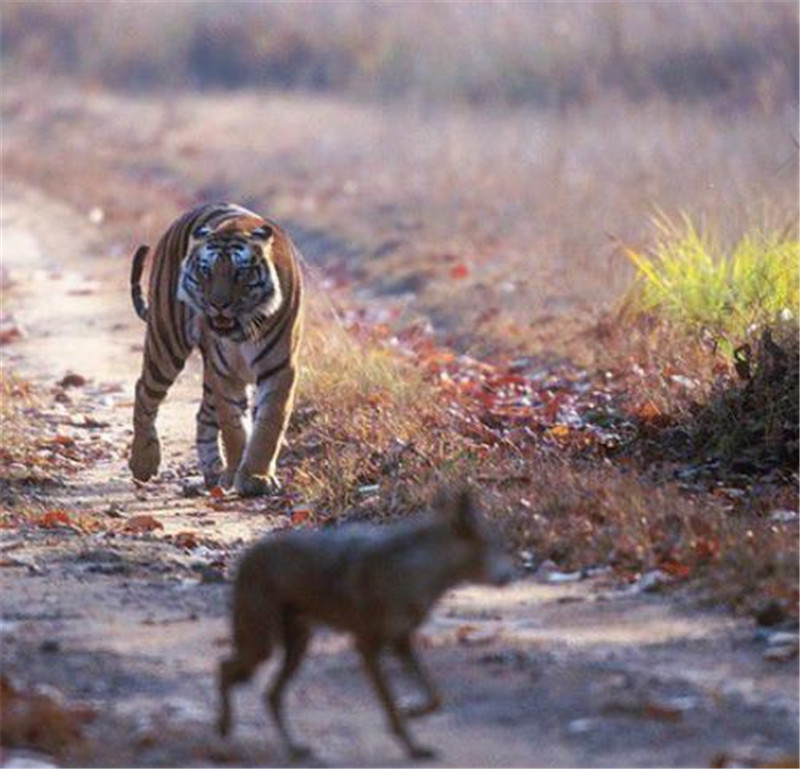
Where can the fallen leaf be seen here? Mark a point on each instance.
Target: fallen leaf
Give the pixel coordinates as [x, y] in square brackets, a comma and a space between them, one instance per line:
[675, 569]
[781, 653]
[55, 519]
[724, 760]
[8, 335]
[217, 492]
[473, 635]
[187, 539]
[140, 524]
[40, 719]
[72, 380]
[782, 762]
[771, 613]
[301, 515]
[459, 271]
[662, 712]
[649, 709]
[707, 549]
[91, 422]
[62, 440]
[648, 411]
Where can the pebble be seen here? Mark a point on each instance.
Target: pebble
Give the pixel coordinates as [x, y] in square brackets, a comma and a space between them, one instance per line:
[581, 726]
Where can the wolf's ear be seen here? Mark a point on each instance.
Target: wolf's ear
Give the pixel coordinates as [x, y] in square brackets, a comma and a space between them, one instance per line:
[461, 508]
[466, 517]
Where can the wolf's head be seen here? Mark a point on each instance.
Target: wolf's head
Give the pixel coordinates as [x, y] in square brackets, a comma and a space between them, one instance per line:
[481, 553]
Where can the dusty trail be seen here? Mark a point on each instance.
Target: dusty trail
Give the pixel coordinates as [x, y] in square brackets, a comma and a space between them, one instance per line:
[567, 674]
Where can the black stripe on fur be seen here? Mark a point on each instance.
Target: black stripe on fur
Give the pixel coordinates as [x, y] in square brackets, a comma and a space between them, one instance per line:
[139, 305]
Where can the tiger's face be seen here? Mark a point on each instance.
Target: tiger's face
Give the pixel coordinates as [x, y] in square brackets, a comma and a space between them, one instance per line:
[228, 276]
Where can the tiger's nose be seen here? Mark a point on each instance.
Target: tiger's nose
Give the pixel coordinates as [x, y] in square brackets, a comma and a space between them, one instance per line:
[219, 305]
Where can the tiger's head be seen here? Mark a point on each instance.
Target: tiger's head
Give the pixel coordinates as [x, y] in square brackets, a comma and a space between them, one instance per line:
[229, 276]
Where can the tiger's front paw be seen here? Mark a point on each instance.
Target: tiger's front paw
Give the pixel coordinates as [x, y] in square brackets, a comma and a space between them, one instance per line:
[248, 485]
[212, 478]
[145, 456]
[228, 477]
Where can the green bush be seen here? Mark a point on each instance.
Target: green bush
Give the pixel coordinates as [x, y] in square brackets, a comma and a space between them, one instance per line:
[689, 279]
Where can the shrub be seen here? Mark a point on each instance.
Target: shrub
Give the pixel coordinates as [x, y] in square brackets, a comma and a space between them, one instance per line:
[690, 280]
[745, 300]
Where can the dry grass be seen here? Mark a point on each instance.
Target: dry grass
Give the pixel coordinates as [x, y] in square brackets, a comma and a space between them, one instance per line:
[26, 465]
[21, 431]
[526, 201]
[607, 517]
[361, 413]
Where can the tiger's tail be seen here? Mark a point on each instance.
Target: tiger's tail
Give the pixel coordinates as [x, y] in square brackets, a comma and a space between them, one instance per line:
[139, 303]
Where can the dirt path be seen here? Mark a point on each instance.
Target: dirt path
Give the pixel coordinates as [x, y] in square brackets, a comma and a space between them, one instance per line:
[568, 673]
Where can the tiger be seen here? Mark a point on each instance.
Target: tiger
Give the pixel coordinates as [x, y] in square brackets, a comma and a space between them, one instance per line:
[228, 281]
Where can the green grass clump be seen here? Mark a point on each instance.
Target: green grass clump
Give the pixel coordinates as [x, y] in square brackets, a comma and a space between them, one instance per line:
[689, 279]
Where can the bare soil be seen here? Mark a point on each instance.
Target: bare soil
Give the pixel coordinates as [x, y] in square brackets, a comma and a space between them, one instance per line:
[572, 673]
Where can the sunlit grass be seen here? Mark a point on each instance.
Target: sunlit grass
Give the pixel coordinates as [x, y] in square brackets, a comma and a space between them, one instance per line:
[691, 280]
[364, 411]
[339, 368]
[20, 433]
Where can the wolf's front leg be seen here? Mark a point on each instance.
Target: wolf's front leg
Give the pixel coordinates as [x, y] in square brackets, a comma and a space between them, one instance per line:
[273, 406]
[370, 656]
[404, 650]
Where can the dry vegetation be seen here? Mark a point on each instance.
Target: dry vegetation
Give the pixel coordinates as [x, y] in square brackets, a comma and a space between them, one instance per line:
[504, 228]
[492, 225]
[498, 53]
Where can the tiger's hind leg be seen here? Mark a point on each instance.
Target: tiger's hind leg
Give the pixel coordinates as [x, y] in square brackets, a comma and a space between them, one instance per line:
[208, 439]
[225, 404]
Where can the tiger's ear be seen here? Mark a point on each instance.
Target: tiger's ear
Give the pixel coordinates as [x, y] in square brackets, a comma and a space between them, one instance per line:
[201, 232]
[264, 232]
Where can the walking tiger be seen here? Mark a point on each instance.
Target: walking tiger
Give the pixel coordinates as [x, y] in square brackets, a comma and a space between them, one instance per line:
[229, 282]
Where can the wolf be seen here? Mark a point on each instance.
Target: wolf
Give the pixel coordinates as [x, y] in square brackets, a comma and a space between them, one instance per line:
[376, 582]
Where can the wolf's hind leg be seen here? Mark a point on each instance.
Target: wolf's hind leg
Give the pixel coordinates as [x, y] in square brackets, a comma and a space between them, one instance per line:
[296, 636]
[232, 671]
